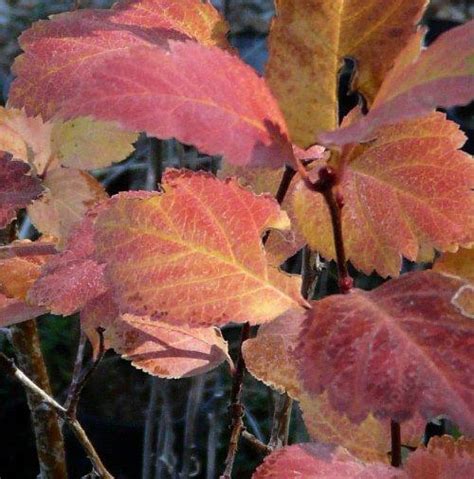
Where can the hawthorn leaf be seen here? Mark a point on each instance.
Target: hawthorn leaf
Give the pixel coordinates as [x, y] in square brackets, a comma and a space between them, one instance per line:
[13, 310]
[270, 358]
[193, 254]
[80, 277]
[408, 191]
[167, 350]
[398, 350]
[444, 458]
[18, 273]
[17, 188]
[436, 79]
[70, 193]
[80, 40]
[308, 43]
[460, 265]
[172, 93]
[87, 144]
[318, 461]
[280, 244]
[26, 138]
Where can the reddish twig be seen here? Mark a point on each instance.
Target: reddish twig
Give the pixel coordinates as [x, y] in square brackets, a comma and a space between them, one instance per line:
[325, 184]
[396, 459]
[236, 407]
[81, 375]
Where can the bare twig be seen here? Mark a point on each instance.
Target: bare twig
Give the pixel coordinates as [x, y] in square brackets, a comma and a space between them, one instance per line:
[281, 421]
[256, 443]
[396, 455]
[78, 383]
[76, 373]
[9, 367]
[48, 434]
[236, 407]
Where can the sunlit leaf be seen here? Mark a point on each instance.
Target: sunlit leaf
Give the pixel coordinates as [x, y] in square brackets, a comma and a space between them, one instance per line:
[193, 255]
[308, 43]
[409, 189]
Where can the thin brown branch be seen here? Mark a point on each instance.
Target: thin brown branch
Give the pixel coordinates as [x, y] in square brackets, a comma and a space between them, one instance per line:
[281, 422]
[80, 375]
[48, 435]
[9, 367]
[256, 443]
[396, 455]
[285, 182]
[236, 407]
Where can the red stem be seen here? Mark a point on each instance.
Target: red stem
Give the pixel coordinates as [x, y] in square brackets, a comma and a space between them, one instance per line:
[396, 443]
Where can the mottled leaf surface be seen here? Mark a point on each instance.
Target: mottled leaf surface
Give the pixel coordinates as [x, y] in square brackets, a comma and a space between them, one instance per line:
[87, 144]
[444, 458]
[80, 277]
[167, 350]
[308, 43]
[171, 93]
[85, 37]
[270, 358]
[69, 194]
[410, 189]
[17, 188]
[442, 76]
[193, 254]
[26, 138]
[18, 273]
[398, 350]
[280, 245]
[14, 311]
[317, 461]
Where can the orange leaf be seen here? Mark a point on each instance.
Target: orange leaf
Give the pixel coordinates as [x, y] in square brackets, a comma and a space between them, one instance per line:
[399, 195]
[14, 311]
[193, 254]
[70, 193]
[166, 350]
[460, 265]
[308, 42]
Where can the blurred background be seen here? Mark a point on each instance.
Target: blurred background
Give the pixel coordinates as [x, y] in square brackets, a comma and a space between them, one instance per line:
[186, 421]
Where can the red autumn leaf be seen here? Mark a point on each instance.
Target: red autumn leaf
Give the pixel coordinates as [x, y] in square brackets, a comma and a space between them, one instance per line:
[14, 310]
[80, 277]
[166, 350]
[444, 458]
[69, 194]
[270, 358]
[442, 76]
[408, 191]
[149, 89]
[394, 351]
[82, 38]
[317, 461]
[193, 254]
[17, 188]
